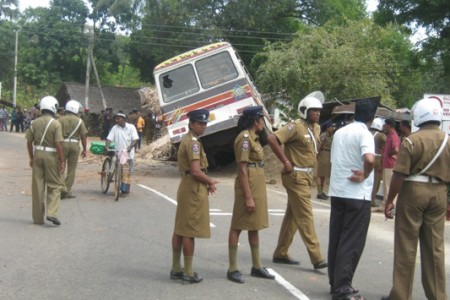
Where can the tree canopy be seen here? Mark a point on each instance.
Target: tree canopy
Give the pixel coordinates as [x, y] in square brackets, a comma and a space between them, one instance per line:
[289, 46]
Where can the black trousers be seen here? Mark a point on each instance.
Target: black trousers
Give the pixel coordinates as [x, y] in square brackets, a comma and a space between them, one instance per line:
[349, 223]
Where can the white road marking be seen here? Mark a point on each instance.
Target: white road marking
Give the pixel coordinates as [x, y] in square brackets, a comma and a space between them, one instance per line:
[174, 202]
[288, 286]
[219, 213]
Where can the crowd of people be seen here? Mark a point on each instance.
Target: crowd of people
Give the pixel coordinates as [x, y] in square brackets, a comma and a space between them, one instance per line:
[148, 126]
[18, 119]
[359, 151]
[356, 157]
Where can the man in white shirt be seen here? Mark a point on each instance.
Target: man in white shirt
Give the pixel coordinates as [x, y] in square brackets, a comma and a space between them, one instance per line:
[124, 136]
[352, 162]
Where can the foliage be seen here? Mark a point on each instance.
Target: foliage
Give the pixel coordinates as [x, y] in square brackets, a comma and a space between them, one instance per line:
[7, 32]
[290, 46]
[353, 61]
[431, 15]
[52, 43]
[9, 9]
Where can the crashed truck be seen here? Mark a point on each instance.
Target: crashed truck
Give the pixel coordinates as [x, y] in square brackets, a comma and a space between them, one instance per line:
[214, 78]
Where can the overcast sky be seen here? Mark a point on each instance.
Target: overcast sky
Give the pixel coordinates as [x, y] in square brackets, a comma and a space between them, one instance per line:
[24, 4]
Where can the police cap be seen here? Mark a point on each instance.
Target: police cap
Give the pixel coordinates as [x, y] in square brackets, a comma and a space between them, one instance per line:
[199, 115]
[253, 111]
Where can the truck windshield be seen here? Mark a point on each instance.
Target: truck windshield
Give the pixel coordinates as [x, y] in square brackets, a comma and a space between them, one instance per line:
[212, 71]
[215, 70]
[178, 83]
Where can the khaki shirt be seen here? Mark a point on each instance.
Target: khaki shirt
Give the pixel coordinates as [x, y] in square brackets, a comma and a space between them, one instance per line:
[418, 149]
[132, 118]
[191, 149]
[380, 140]
[247, 147]
[300, 144]
[68, 124]
[325, 141]
[36, 131]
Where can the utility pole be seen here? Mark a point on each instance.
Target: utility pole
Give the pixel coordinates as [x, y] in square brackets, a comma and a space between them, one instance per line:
[98, 81]
[88, 71]
[15, 69]
[91, 61]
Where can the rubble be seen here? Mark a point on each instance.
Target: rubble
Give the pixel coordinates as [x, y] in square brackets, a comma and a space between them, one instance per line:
[149, 100]
[161, 149]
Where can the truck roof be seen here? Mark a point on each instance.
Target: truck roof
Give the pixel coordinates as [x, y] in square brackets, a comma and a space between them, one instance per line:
[190, 54]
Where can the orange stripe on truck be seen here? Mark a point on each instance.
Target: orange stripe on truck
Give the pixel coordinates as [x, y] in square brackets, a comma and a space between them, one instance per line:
[210, 104]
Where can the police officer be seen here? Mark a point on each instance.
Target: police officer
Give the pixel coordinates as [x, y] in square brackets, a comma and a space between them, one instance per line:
[44, 137]
[380, 140]
[74, 130]
[250, 196]
[300, 140]
[323, 159]
[419, 179]
[192, 216]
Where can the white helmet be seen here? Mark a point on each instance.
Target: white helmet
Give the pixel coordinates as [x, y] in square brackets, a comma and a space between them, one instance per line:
[50, 103]
[426, 110]
[313, 100]
[73, 106]
[377, 124]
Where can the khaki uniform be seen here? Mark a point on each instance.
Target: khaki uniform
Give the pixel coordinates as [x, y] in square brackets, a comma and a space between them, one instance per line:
[192, 216]
[300, 146]
[132, 119]
[323, 158]
[71, 147]
[248, 149]
[380, 141]
[420, 215]
[45, 167]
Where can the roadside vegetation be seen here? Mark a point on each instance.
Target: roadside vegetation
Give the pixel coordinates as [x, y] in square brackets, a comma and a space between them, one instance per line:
[290, 47]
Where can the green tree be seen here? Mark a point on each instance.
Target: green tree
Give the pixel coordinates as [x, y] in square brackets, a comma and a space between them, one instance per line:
[7, 32]
[431, 15]
[357, 60]
[9, 9]
[53, 43]
[170, 27]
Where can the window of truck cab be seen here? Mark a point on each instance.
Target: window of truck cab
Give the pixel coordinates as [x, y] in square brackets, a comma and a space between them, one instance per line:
[178, 83]
[216, 69]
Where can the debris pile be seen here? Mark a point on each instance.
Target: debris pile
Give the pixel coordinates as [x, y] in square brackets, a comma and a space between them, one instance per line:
[149, 100]
[161, 149]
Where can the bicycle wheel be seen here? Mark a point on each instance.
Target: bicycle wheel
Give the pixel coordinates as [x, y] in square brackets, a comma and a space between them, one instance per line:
[117, 180]
[104, 179]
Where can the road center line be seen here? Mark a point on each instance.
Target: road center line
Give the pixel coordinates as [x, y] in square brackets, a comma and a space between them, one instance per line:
[288, 286]
[283, 282]
[174, 202]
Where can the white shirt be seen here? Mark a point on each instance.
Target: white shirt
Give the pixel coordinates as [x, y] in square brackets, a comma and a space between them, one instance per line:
[122, 137]
[350, 143]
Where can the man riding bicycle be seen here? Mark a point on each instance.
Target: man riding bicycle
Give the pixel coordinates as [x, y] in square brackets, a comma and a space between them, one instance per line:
[124, 135]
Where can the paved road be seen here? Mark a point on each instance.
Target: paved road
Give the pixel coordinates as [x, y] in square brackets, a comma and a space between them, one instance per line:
[121, 250]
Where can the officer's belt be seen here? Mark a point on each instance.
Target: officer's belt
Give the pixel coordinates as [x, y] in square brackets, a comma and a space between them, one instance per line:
[190, 173]
[306, 170]
[259, 164]
[422, 178]
[71, 140]
[42, 148]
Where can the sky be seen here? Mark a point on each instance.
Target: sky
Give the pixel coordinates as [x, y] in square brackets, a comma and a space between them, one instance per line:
[24, 4]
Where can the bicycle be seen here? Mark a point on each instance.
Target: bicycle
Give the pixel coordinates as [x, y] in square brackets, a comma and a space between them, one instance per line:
[111, 174]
